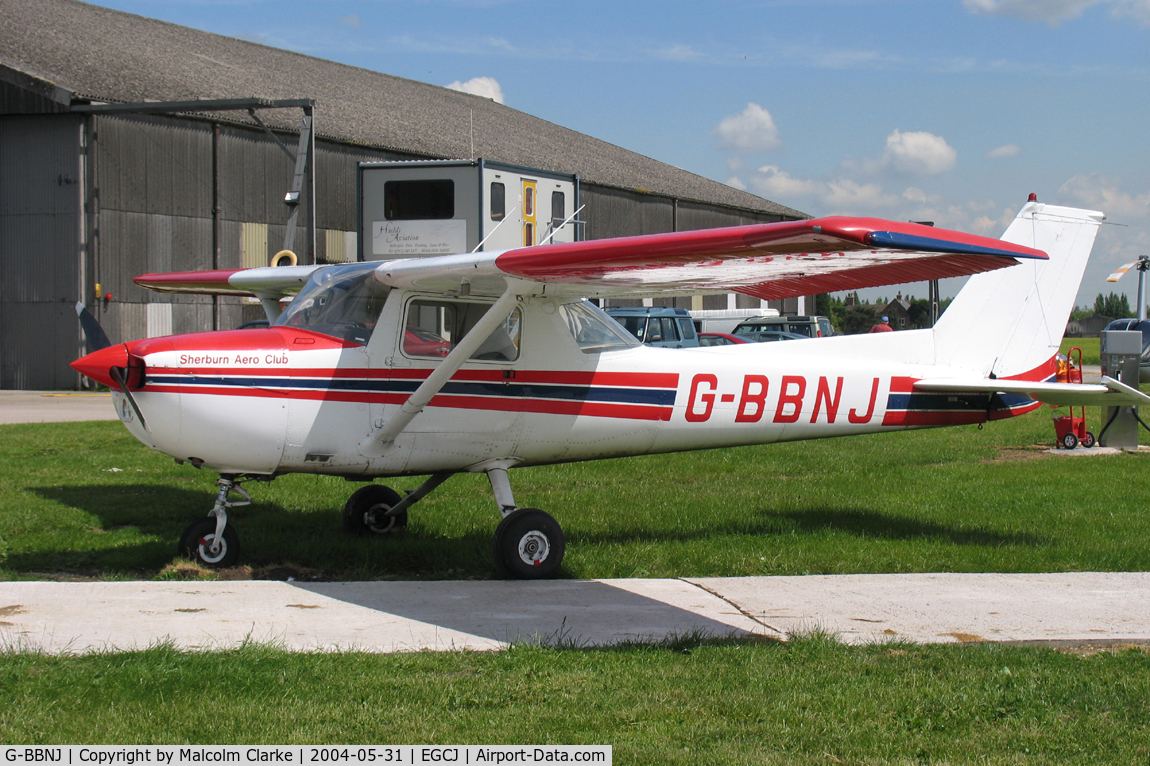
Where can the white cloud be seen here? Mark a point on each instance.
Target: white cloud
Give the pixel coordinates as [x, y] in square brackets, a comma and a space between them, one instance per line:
[847, 196]
[1001, 152]
[776, 184]
[1139, 10]
[1050, 11]
[735, 183]
[487, 87]
[753, 130]
[1054, 12]
[917, 154]
[676, 53]
[1103, 194]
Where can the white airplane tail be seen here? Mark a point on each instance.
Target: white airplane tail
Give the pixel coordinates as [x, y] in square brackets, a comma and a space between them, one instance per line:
[1010, 322]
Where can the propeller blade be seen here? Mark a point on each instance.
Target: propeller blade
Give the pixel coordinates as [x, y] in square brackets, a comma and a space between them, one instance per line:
[97, 338]
[116, 375]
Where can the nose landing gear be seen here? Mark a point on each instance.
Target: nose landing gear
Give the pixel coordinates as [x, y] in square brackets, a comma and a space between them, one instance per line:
[210, 541]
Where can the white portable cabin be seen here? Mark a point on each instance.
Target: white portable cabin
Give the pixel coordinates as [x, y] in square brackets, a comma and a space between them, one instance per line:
[725, 320]
[446, 207]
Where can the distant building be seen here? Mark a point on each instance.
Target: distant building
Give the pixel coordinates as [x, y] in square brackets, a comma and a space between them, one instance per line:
[1088, 327]
[899, 312]
[112, 165]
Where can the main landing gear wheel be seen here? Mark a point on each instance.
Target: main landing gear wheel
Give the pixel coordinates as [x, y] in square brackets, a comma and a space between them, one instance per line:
[198, 543]
[529, 544]
[368, 510]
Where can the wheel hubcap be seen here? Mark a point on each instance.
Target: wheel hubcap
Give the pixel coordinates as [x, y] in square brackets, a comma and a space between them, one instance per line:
[212, 549]
[533, 548]
[378, 520]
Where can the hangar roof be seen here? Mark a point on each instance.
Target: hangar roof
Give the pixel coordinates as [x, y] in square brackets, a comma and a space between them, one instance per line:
[98, 54]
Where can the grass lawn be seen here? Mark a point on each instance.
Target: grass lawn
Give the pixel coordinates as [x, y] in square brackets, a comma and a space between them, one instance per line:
[811, 701]
[1089, 346]
[86, 499]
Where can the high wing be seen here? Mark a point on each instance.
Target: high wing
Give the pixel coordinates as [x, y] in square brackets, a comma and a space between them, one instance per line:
[767, 261]
[1108, 393]
[268, 281]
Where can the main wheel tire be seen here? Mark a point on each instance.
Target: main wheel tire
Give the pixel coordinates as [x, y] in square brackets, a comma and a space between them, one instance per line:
[196, 544]
[368, 511]
[1070, 441]
[1089, 441]
[529, 545]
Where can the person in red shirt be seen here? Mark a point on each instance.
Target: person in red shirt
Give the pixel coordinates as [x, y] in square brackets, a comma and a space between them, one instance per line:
[883, 326]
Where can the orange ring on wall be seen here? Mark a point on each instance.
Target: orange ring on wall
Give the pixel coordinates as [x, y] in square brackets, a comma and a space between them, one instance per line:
[284, 255]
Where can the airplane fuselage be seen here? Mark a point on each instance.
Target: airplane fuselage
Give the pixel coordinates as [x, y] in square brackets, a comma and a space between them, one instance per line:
[284, 400]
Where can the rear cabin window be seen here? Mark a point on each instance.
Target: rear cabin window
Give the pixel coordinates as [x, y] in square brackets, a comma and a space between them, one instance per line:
[419, 200]
[593, 330]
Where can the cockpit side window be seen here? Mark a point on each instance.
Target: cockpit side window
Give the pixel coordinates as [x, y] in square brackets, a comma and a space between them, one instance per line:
[434, 327]
[344, 302]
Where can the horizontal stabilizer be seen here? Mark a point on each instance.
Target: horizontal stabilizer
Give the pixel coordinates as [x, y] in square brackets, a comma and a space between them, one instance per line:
[1108, 393]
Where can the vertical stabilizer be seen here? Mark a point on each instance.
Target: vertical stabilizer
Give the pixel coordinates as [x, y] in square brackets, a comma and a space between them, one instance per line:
[1010, 322]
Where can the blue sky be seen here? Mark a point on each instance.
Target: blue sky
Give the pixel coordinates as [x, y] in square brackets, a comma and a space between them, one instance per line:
[944, 110]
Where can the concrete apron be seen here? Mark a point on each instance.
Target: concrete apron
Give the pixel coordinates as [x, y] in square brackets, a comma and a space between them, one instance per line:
[1075, 608]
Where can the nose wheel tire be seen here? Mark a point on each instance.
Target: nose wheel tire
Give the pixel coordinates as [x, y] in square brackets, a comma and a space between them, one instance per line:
[529, 545]
[368, 511]
[199, 544]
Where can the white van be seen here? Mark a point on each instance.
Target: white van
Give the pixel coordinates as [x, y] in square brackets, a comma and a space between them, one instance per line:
[725, 320]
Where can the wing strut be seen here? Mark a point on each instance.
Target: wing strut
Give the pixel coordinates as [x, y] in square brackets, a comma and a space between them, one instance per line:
[376, 444]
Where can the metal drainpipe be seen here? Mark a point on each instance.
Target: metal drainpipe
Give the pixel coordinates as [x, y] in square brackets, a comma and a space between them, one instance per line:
[215, 217]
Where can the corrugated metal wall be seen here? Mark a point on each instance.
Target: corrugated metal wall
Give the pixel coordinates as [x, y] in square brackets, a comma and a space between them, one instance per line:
[41, 187]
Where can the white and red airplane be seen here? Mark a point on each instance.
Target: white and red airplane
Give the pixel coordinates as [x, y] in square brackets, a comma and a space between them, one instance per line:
[494, 360]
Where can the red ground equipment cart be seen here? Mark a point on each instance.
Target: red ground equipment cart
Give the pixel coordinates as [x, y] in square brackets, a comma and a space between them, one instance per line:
[1071, 429]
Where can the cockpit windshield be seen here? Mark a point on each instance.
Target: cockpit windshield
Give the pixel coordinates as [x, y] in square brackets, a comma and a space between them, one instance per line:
[341, 301]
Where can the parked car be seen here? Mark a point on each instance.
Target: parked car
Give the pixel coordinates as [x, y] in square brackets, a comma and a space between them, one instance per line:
[658, 326]
[720, 339]
[767, 336]
[1144, 328]
[810, 326]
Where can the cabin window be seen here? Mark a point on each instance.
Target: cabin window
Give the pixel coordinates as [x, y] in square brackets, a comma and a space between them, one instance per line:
[341, 301]
[498, 201]
[593, 330]
[434, 327]
[558, 208]
[419, 200]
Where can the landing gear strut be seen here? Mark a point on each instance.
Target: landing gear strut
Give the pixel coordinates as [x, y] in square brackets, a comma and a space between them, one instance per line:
[210, 541]
[528, 543]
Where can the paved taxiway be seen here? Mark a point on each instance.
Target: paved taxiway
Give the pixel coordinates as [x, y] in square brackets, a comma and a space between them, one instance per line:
[1076, 608]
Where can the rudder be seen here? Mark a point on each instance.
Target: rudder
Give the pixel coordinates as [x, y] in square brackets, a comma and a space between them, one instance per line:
[1009, 323]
